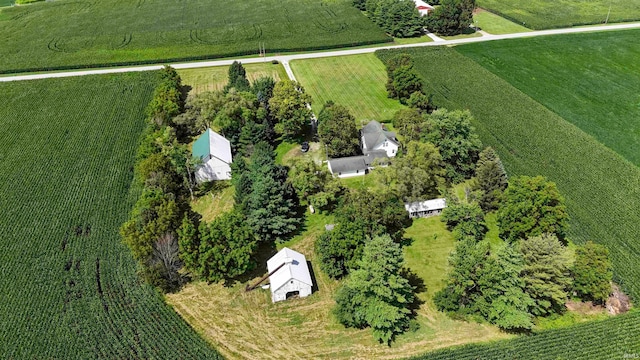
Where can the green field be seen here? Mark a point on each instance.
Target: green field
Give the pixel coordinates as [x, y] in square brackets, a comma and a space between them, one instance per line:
[496, 25]
[215, 78]
[6, 2]
[545, 14]
[69, 288]
[356, 82]
[591, 80]
[80, 33]
[602, 189]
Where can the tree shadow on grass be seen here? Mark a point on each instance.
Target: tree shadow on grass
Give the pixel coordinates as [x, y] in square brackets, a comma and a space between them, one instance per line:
[418, 287]
[262, 254]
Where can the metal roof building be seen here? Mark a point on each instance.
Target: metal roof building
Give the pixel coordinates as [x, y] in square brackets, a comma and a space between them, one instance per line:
[290, 275]
[425, 208]
[215, 152]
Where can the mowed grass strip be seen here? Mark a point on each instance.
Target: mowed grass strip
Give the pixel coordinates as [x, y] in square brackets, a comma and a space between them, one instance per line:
[591, 80]
[495, 24]
[215, 78]
[69, 288]
[546, 14]
[356, 82]
[245, 325]
[602, 189]
[86, 33]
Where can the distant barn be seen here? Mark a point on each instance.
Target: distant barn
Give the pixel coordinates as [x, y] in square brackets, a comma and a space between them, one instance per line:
[289, 275]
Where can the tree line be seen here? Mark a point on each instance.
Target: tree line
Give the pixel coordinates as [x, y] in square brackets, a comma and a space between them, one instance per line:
[163, 233]
[401, 18]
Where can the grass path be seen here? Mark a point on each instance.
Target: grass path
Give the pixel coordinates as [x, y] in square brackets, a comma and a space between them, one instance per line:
[356, 82]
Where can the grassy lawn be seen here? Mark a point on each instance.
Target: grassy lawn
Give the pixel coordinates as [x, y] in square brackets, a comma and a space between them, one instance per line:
[248, 326]
[495, 24]
[6, 3]
[69, 287]
[591, 80]
[356, 82]
[602, 189]
[470, 33]
[413, 40]
[215, 202]
[215, 78]
[545, 14]
[66, 34]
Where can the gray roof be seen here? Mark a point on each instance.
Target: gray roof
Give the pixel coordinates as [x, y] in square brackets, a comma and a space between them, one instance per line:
[374, 134]
[353, 163]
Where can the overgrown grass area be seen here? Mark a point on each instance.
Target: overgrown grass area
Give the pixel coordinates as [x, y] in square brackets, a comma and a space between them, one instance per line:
[602, 191]
[591, 80]
[69, 288]
[6, 2]
[215, 202]
[357, 82]
[86, 33]
[215, 78]
[248, 326]
[495, 24]
[546, 14]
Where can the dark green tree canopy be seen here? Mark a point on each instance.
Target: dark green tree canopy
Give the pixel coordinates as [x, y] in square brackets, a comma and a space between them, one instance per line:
[532, 206]
[377, 295]
[289, 107]
[465, 220]
[491, 180]
[452, 17]
[592, 272]
[546, 273]
[337, 131]
[418, 172]
[459, 145]
[237, 78]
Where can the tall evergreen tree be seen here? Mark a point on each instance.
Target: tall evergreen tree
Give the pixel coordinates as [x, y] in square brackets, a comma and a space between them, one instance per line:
[491, 179]
[237, 78]
[546, 273]
[377, 295]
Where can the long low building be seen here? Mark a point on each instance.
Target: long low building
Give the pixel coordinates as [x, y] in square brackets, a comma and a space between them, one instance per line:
[357, 165]
[425, 208]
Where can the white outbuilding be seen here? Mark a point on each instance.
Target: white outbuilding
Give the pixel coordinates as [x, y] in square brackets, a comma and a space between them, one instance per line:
[215, 152]
[425, 208]
[289, 275]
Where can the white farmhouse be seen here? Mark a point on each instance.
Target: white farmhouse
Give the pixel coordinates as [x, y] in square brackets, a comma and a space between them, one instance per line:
[289, 275]
[425, 208]
[215, 152]
[375, 137]
[423, 7]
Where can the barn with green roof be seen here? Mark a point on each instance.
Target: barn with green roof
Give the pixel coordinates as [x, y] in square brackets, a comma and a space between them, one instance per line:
[215, 152]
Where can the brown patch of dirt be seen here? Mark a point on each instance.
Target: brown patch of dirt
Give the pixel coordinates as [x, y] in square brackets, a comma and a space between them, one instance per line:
[584, 308]
[618, 302]
[478, 10]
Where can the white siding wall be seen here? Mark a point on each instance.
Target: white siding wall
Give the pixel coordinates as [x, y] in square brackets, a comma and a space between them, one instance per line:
[390, 148]
[214, 169]
[291, 285]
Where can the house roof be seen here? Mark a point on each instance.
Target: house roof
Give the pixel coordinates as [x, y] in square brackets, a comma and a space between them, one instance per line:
[295, 269]
[434, 204]
[353, 163]
[422, 4]
[374, 134]
[214, 144]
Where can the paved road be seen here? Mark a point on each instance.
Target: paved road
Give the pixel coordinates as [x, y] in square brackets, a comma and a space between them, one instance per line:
[285, 59]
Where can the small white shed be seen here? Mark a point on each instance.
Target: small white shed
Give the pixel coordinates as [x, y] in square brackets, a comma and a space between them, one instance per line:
[425, 208]
[215, 152]
[289, 275]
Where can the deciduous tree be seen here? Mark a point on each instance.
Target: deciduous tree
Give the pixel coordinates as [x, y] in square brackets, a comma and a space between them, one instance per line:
[419, 172]
[592, 273]
[376, 295]
[289, 108]
[337, 131]
[532, 206]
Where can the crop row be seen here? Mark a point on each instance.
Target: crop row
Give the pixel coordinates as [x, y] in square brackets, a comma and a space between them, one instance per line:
[69, 287]
[113, 32]
[602, 190]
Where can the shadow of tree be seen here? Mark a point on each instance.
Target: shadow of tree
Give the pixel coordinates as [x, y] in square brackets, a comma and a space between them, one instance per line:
[418, 287]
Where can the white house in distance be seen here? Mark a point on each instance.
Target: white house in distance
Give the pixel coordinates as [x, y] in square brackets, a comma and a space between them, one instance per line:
[375, 137]
[289, 275]
[423, 7]
[425, 208]
[215, 152]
